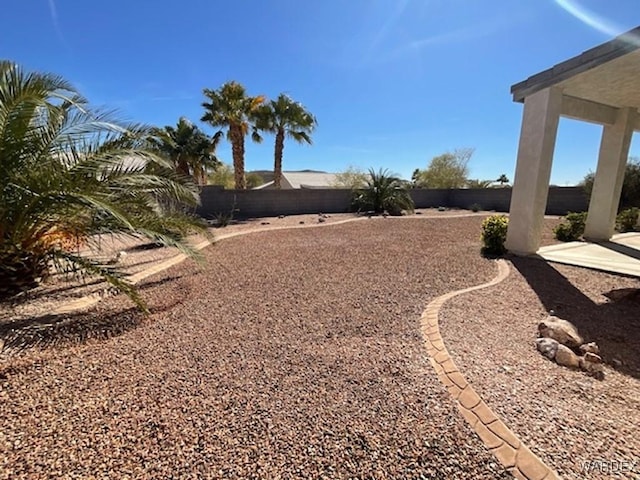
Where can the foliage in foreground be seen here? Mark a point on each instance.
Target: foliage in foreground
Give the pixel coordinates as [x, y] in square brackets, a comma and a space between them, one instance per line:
[383, 192]
[494, 234]
[572, 228]
[70, 174]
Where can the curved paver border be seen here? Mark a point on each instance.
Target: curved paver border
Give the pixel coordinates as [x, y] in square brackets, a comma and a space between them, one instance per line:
[496, 436]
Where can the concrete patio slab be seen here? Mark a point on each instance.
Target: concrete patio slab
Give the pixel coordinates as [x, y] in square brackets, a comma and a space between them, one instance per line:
[619, 255]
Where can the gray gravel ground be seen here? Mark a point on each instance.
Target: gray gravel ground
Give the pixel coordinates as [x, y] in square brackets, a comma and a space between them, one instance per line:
[566, 417]
[292, 354]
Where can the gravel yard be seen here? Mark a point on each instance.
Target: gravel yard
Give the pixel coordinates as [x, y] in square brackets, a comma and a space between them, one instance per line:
[564, 416]
[291, 354]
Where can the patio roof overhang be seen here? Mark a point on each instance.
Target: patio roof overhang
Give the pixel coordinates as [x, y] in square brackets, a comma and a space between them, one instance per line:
[602, 86]
[594, 84]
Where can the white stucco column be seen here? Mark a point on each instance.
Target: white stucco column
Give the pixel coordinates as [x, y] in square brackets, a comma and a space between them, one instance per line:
[533, 170]
[607, 185]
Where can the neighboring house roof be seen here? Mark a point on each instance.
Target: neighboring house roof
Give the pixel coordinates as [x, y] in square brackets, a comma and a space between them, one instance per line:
[606, 74]
[303, 179]
[309, 179]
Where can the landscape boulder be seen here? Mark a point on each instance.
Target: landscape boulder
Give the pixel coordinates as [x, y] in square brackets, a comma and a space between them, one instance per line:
[547, 347]
[562, 331]
[591, 347]
[566, 357]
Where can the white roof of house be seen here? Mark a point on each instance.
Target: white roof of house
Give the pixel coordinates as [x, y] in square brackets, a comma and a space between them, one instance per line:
[310, 179]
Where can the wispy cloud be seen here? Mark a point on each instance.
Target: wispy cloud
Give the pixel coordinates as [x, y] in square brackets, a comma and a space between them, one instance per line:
[171, 98]
[592, 19]
[454, 36]
[383, 31]
[54, 19]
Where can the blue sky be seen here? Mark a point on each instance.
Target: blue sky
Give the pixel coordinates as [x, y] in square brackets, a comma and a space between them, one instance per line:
[392, 82]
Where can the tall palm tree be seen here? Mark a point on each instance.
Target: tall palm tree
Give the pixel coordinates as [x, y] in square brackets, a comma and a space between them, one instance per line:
[70, 172]
[189, 148]
[285, 118]
[230, 107]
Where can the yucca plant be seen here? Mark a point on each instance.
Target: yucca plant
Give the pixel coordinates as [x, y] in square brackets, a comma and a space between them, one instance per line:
[383, 192]
[69, 175]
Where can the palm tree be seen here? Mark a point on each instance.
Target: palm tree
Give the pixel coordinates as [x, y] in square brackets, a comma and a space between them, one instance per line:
[285, 118]
[230, 107]
[383, 192]
[503, 179]
[190, 150]
[68, 172]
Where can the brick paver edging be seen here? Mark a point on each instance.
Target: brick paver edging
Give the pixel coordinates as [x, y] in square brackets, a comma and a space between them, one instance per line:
[496, 436]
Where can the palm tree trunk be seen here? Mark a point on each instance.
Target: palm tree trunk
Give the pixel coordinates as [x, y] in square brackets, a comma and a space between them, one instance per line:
[277, 158]
[237, 149]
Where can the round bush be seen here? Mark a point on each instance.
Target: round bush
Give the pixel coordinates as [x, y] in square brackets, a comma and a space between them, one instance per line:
[494, 234]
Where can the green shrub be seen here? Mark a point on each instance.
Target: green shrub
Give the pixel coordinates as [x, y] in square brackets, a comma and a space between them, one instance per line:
[494, 234]
[475, 207]
[572, 228]
[627, 220]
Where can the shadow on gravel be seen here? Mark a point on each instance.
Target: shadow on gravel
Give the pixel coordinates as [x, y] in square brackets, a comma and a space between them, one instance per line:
[614, 326]
[55, 330]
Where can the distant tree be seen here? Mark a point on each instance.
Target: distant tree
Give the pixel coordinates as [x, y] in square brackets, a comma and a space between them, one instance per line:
[352, 177]
[475, 183]
[284, 118]
[383, 192]
[449, 170]
[254, 180]
[223, 176]
[191, 151]
[502, 179]
[630, 196]
[230, 108]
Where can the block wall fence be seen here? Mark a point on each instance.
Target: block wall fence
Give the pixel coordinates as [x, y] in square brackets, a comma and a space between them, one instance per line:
[268, 203]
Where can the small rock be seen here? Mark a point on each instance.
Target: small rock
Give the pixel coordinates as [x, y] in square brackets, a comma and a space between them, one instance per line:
[592, 364]
[561, 330]
[281, 216]
[591, 347]
[566, 357]
[547, 347]
[321, 220]
[265, 223]
[592, 358]
[418, 213]
[301, 222]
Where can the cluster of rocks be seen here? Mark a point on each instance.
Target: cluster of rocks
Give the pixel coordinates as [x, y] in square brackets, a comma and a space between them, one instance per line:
[560, 341]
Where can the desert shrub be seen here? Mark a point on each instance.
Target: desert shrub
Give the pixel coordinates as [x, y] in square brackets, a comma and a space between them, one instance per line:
[627, 220]
[494, 234]
[475, 207]
[383, 192]
[572, 228]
